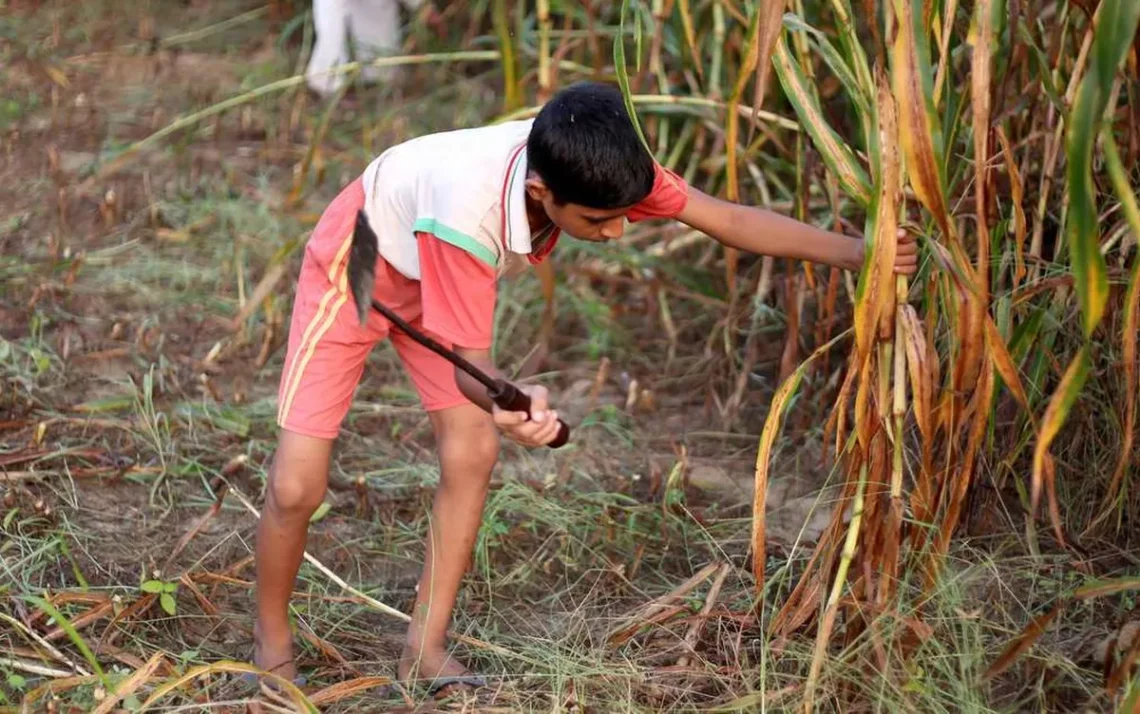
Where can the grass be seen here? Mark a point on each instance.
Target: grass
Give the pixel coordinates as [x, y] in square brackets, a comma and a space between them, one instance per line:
[130, 400]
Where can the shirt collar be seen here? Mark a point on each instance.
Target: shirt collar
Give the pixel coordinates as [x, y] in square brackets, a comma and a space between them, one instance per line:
[516, 227]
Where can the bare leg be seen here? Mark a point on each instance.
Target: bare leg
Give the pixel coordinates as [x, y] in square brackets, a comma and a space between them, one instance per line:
[468, 448]
[297, 482]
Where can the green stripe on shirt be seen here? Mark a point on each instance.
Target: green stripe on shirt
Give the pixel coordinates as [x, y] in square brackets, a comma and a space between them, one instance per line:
[460, 240]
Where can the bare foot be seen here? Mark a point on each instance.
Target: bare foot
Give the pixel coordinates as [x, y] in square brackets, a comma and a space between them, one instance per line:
[426, 664]
[274, 654]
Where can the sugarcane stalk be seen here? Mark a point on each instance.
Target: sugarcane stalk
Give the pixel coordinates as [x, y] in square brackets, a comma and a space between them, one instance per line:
[544, 27]
[717, 51]
[511, 96]
[850, 544]
[898, 406]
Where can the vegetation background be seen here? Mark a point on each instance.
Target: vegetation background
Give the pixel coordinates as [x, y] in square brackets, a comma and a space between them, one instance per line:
[790, 488]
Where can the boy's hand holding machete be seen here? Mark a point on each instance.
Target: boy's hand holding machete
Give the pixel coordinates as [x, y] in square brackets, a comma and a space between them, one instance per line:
[362, 278]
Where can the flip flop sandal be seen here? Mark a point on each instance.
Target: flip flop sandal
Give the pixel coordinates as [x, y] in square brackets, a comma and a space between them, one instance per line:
[473, 681]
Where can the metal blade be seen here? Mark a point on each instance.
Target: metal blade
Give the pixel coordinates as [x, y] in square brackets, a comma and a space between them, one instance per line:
[362, 265]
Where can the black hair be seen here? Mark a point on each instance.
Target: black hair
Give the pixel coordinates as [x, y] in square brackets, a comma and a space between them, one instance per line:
[585, 148]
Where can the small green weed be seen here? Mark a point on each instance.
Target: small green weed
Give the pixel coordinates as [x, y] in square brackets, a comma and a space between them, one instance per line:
[165, 591]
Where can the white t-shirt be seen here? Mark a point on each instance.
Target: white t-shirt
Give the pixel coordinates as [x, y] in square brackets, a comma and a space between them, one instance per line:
[466, 187]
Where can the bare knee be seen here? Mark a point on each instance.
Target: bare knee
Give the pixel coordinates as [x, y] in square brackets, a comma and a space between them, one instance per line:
[294, 494]
[468, 444]
[476, 451]
[298, 478]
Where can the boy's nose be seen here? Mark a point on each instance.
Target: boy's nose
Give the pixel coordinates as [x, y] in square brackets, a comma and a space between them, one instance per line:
[613, 229]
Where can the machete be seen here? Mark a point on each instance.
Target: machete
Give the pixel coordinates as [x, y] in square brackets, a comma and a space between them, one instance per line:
[361, 280]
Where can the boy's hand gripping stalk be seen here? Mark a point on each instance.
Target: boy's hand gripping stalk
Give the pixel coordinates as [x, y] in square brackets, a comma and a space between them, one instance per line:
[361, 278]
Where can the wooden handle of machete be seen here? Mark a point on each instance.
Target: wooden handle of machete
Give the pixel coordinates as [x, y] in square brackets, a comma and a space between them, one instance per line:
[512, 399]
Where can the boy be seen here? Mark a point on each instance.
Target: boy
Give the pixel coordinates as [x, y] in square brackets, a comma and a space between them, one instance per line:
[452, 212]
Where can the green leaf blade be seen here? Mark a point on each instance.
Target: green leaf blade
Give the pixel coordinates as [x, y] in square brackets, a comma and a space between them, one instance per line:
[1115, 29]
[153, 587]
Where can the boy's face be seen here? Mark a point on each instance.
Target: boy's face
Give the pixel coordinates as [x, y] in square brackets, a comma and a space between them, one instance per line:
[593, 224]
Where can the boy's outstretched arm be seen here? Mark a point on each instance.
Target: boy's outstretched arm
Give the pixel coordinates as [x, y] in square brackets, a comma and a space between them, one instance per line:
[763, 232]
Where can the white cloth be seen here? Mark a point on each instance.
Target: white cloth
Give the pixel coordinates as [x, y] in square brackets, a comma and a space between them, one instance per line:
[467, 187]
[372, 25]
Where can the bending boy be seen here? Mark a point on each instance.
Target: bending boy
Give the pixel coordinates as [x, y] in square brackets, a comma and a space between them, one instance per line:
[452, 213]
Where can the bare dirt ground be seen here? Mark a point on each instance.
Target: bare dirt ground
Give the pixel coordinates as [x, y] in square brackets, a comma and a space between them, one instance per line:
[143, 314]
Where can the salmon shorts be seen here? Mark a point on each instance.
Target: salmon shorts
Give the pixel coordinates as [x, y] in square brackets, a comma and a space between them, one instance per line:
[328, 347]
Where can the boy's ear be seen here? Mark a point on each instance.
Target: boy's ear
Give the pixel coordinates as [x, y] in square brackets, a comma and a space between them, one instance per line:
[536, 188]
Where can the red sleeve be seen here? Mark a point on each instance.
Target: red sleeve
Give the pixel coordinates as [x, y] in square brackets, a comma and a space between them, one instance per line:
[457, 291]
[668, 198]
